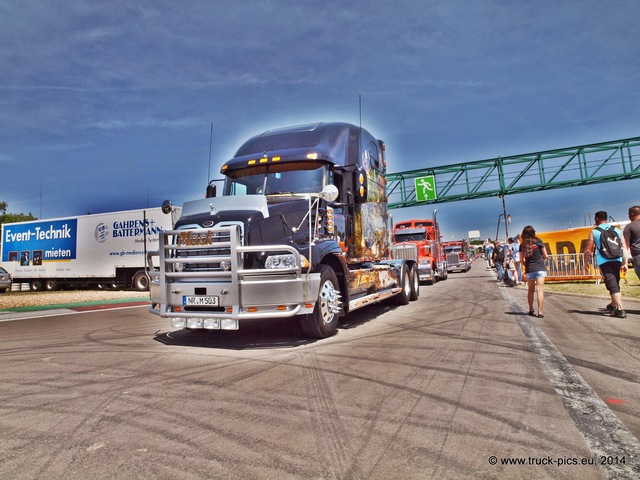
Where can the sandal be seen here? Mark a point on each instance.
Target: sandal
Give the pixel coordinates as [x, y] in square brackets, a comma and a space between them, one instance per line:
[532, 313]
[540, 315]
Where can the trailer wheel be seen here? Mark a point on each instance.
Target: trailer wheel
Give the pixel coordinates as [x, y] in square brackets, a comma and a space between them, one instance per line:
[402, 298]
[36, 285]
[323, 322]
[141, 281]
[50, 285]
[415, 284]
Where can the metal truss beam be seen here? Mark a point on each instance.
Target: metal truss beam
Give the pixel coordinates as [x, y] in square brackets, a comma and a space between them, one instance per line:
[552, 169]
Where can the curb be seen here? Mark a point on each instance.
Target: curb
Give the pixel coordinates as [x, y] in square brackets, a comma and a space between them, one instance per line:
[80, 305]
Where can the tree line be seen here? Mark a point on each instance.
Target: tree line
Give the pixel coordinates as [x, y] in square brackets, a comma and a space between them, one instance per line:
[8, 217]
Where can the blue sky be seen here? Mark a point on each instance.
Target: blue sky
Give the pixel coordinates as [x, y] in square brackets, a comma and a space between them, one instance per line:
[109, 105]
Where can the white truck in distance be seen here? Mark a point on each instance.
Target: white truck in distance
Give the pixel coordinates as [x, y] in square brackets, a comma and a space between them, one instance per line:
[106, 250]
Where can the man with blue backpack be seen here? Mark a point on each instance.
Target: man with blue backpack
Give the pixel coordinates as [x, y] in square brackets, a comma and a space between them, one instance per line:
[611, 257]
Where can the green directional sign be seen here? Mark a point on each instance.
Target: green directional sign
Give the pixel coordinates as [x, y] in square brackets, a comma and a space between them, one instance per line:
[425, 188]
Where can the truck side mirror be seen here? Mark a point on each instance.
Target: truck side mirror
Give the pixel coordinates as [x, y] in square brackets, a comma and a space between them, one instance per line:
[360, 187]
[211, 190]
[167, 207]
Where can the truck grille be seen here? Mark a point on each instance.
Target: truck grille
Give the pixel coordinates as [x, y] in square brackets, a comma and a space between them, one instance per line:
[215, 256]
[203, 254]
[453, 258]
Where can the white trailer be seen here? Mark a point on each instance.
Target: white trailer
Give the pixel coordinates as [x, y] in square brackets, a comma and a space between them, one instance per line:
[106, 250]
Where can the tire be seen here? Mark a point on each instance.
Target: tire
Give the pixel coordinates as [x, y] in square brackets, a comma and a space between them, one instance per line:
[141, 281]
[37, 285]
[402, 298]
[415, 284]
[50, 285]
[323, 322]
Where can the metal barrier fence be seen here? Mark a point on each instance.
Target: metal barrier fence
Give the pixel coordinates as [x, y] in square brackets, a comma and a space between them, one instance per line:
[572, 266]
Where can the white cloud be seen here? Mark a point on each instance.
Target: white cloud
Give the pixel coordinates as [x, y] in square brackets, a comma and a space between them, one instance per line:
[118, 124]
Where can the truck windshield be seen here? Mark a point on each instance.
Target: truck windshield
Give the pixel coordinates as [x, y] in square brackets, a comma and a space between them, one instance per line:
[411, 237]
[307, 177]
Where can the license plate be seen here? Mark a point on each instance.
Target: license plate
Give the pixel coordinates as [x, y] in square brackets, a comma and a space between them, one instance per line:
[200, 301]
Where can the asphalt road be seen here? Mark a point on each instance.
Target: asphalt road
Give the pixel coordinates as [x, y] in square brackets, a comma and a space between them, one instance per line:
[460, 384]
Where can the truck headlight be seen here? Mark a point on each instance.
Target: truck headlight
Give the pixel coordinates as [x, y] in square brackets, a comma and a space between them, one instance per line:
[280, 261]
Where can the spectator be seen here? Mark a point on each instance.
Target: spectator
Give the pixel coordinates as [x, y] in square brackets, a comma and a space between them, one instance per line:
[632, 238]
[488, 252]
[514, 250]
[498, 259]
[534, 255]
[609, 268]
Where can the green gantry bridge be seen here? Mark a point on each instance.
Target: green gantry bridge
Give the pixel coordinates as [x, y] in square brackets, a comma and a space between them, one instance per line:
[567, 167]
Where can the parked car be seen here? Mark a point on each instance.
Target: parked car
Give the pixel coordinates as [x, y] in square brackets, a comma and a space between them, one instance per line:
[5, 280]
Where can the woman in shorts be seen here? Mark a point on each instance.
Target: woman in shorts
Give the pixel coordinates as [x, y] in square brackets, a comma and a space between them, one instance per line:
[534, 255]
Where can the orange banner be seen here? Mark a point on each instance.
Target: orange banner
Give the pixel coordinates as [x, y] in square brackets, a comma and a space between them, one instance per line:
[572, 240]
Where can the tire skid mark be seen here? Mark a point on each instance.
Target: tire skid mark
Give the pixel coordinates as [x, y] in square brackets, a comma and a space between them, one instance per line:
[604, 434]
[392, 410]
[490, 295]
[440, 465]
[330, 434]
[97, 419]
[68, 444]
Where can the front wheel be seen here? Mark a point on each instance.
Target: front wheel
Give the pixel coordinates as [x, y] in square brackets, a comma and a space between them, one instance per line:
[323, 322]
[415, 284]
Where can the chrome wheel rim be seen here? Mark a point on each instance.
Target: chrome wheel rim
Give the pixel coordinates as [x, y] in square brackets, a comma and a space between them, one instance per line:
[329, 299]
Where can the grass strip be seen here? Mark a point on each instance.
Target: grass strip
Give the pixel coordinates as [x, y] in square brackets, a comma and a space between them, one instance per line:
[32, 308]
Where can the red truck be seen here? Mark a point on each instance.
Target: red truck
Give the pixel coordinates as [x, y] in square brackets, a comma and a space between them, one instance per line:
[425, 235]
[458, 255]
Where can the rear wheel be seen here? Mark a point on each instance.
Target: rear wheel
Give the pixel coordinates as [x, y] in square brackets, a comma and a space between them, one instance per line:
[323, 322]
[141, 281]
[50, 285]
[402, 298]
[415, 283]
[37, 285]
